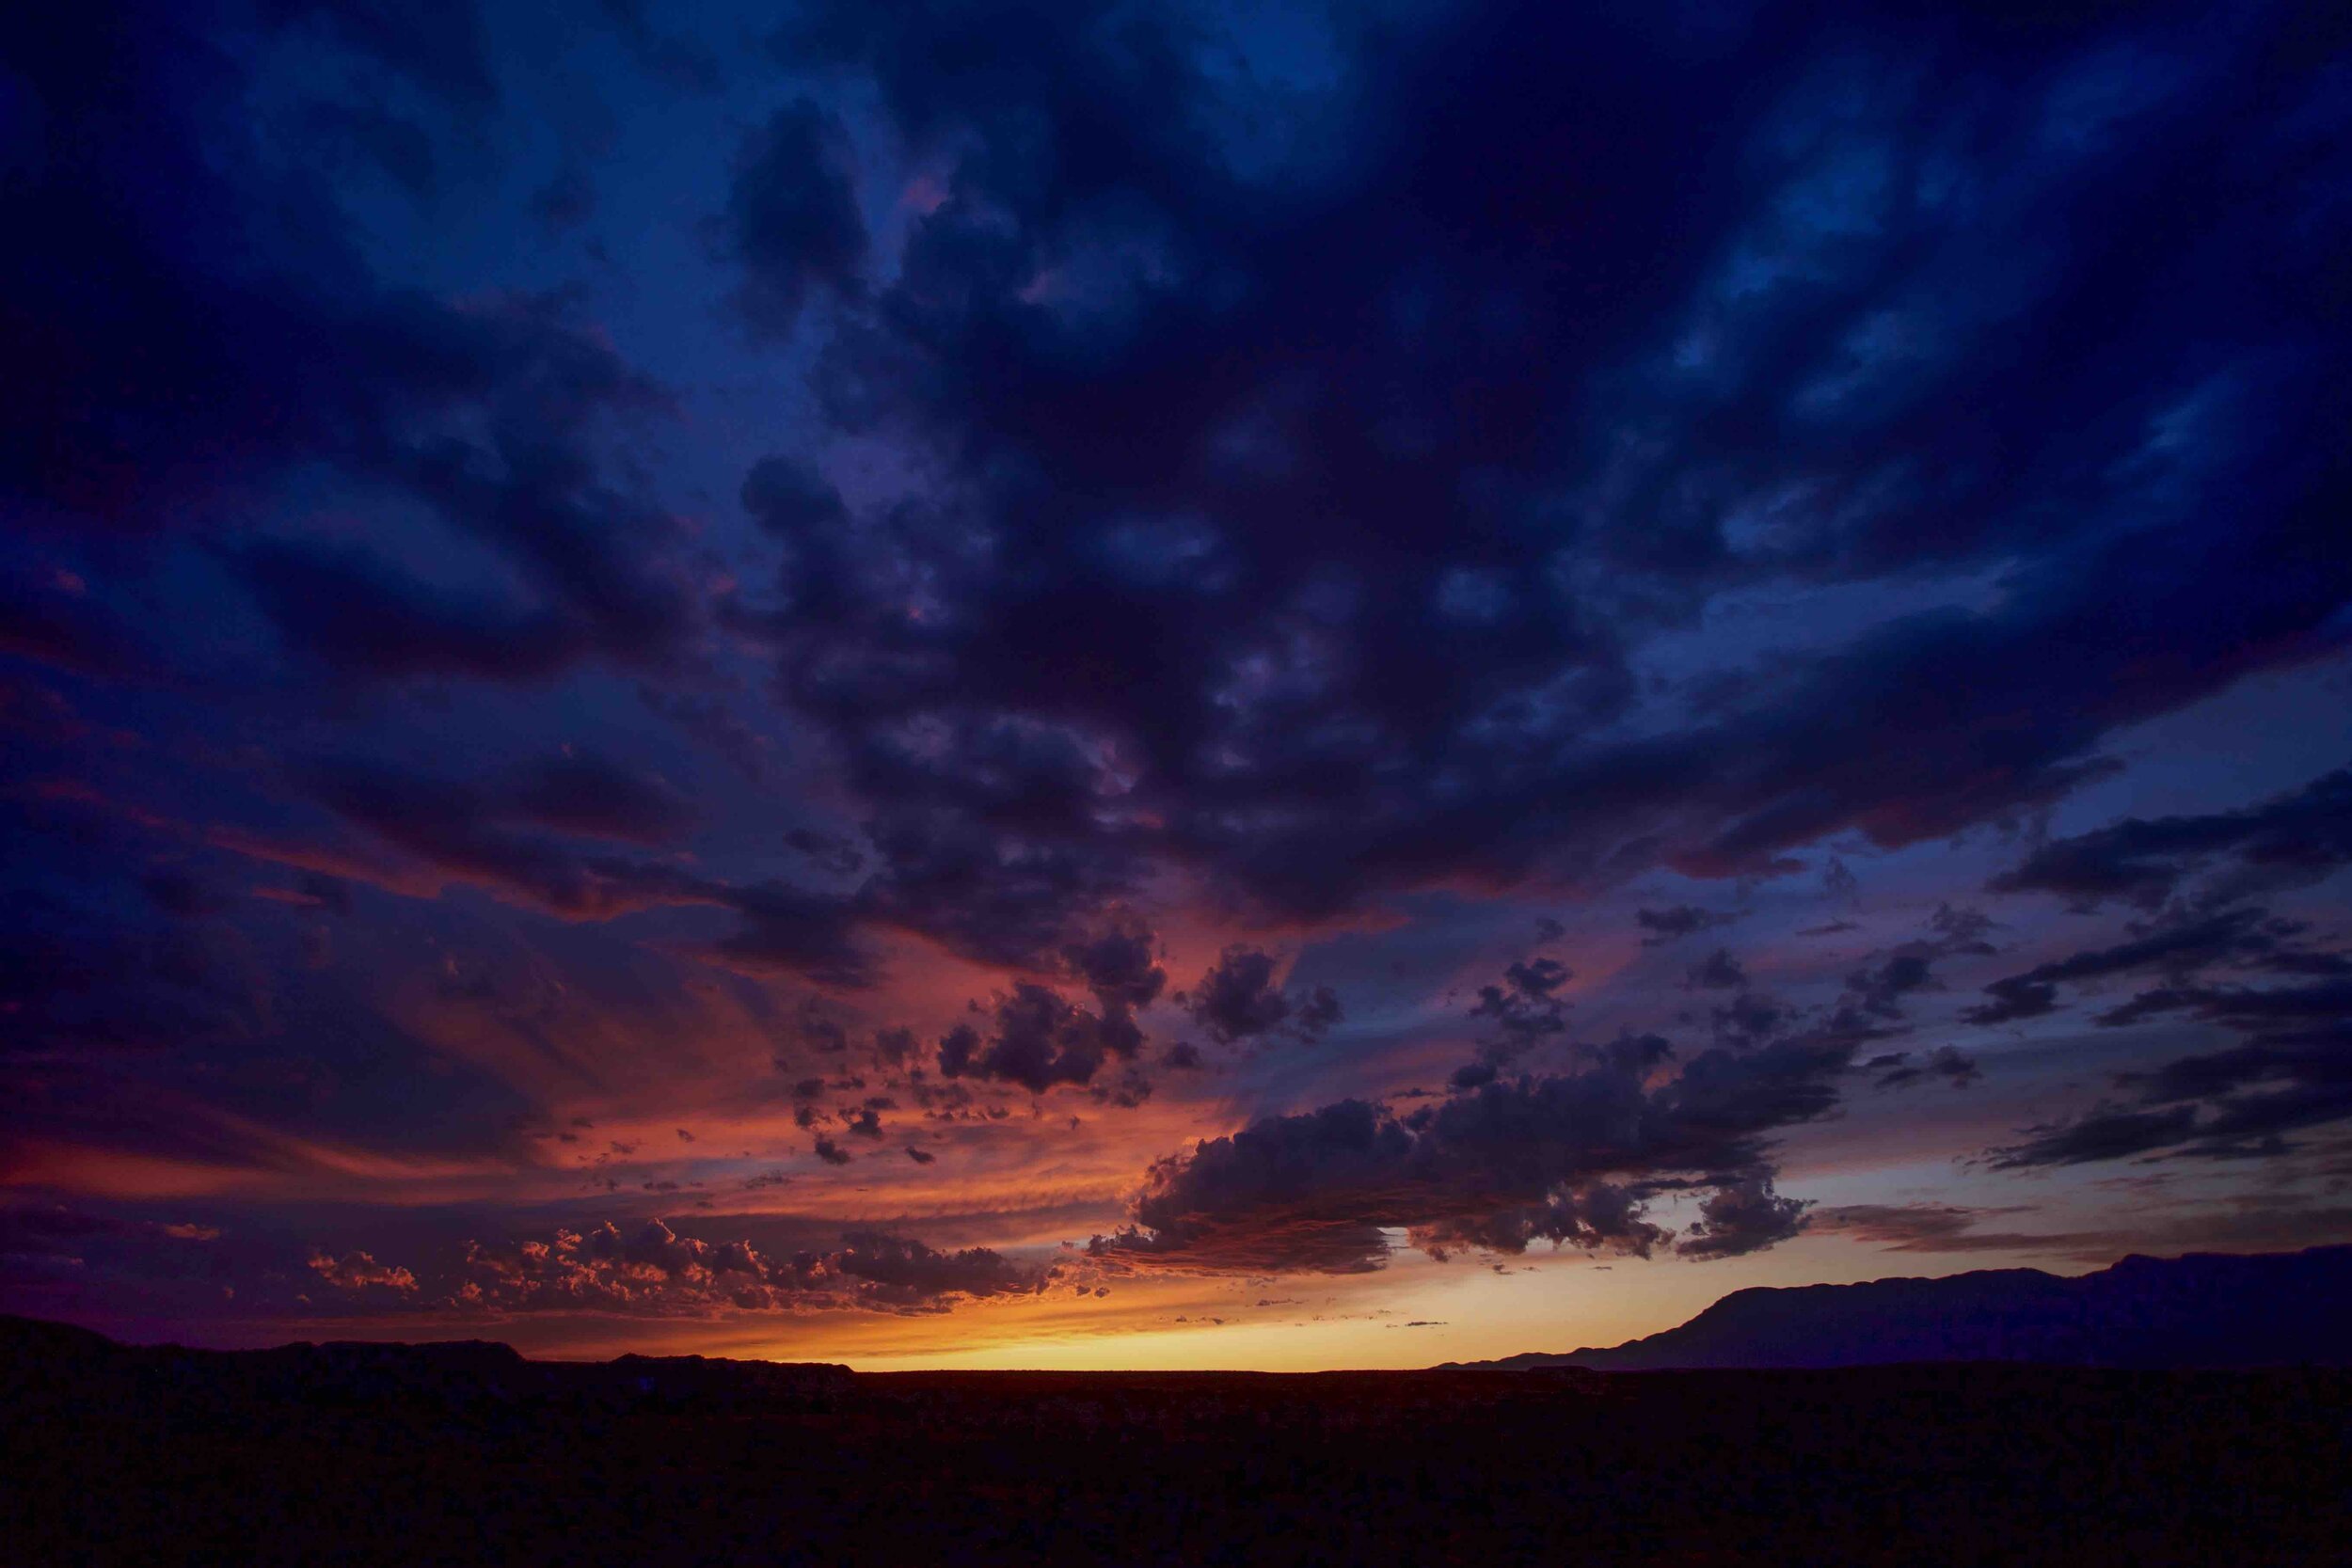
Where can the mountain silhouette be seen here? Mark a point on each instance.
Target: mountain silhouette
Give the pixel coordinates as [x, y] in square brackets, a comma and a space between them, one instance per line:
[2202, 1310]
[50, 1360]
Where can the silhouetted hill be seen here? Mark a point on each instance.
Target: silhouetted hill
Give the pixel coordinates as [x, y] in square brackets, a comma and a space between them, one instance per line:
[2205, 1309]
[39, 1358]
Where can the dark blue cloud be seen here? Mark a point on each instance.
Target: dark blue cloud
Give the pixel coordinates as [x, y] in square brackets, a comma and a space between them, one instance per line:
[1238, 1000]
[1038, 1039]
[1386, 658]
[2296, 837]
[980, 500]
[1573, 1159]
[792, 218]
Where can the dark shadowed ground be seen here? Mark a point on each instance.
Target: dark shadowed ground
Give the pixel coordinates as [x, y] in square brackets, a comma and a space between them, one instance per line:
[451, 1454]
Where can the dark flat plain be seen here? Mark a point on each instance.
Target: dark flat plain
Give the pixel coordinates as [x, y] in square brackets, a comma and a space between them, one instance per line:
[467, 1454]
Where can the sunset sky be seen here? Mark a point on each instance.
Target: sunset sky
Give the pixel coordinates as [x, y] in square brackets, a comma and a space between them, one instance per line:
[1101, 685]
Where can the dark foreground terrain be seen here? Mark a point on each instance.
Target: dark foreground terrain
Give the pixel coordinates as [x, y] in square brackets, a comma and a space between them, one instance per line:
[467, 1453]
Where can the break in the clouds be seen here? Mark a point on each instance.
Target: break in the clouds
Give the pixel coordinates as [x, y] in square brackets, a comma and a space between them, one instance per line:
[778, 662]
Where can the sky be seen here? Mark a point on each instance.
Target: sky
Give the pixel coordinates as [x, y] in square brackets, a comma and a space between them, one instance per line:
[1105, 685]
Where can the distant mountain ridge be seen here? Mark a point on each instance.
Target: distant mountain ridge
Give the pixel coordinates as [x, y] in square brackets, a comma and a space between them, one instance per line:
[47, 1361]
[2203, 1309]
[2200, 1310]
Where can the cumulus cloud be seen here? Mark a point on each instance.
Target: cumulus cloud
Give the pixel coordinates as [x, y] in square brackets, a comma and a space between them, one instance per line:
[1740, 1217]
[791, 217]
[1570, 1158]
[1238, 1000]
[1039, 1039]
[1880, 989]
[358, 1271]
[653, 1269]
[1529, 986]
[1119, 965]
[1594, 1217]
